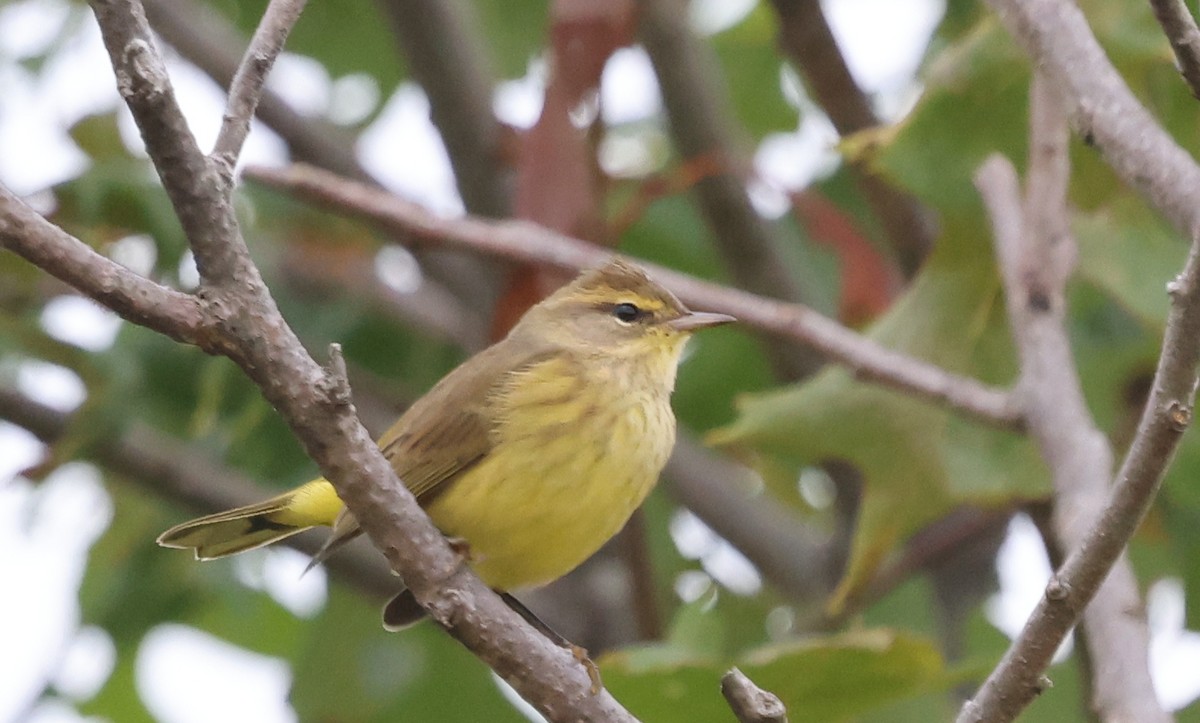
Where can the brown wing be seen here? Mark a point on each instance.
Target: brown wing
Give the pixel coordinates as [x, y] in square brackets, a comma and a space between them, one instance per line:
[449, 429]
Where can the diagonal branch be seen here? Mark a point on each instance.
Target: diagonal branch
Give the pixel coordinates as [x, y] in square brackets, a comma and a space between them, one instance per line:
[1036, 252]
[315, 402]
[1105, 113]
[142, 301]
[1168, 413]
[528, 242]
[246, 88]
[209, 42]
[1180, 28]
[1102, 109]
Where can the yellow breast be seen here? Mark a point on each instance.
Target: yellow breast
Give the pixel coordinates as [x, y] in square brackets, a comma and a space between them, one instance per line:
[576, 450]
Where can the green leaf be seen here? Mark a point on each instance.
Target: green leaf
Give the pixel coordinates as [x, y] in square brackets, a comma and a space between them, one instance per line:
[1131, 254]
[752, 69]
[352, 669]
[917, 460]
[825, 678]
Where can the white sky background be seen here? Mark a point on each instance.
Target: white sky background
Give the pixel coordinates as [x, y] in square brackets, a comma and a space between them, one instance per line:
[45, 531]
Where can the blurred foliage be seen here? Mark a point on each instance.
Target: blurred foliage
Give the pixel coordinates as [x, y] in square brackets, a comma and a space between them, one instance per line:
[918, 461]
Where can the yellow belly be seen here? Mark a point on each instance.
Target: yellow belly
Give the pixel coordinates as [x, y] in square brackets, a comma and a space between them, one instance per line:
[544, 500]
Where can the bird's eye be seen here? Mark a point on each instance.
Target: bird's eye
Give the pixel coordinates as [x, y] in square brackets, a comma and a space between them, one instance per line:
[626, 312]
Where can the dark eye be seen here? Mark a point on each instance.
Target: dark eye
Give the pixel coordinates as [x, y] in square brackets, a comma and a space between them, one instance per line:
[627, 312]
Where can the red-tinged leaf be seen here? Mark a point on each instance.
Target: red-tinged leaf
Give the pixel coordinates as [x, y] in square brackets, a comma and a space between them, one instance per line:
[556, 175]
[869, 281]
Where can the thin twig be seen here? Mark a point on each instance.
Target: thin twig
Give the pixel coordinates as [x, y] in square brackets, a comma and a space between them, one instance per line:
[45, 245]
[1114, 626]
[749, 703]
[1035, 267]
[1180, 28]
[1036, 253]
[246, 88]
[214, 45]
[1102, 109]
[1105, 113]
[528, 242]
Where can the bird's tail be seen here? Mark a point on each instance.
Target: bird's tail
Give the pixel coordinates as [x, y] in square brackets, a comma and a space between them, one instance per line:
[245, 528]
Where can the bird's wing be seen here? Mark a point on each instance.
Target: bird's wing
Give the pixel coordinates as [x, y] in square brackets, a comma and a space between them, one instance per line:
[449, 429]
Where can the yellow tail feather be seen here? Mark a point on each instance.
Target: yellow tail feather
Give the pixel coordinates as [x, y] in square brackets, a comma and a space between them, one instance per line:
[246, 528]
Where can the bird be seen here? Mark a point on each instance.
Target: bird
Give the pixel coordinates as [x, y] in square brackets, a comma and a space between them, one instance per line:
[530, 455]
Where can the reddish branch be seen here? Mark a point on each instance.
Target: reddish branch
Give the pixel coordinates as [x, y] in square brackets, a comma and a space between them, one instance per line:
[523, 241]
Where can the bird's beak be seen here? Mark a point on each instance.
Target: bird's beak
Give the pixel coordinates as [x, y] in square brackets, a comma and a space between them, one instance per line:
[696, 320]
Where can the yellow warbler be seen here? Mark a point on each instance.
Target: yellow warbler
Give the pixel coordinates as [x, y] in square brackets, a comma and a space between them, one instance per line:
[533, 453]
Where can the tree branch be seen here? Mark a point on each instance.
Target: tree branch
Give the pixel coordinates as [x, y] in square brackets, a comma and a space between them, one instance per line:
[246, 88]
[1180, 28]
[751, 704]
[1102, 109]
[1166, 416]
[315, 402]
[1105, 113]
[140, 300]
[1036, 254]
[208, 41]
[528, 242]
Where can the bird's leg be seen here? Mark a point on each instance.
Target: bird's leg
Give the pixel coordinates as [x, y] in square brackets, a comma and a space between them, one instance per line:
[461, 547]
[403, 609]
[580, 653]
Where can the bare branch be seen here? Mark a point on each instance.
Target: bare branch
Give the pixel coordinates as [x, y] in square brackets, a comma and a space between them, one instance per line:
[1180, 28]
[1102, 109]
[806, 37]
[196, 188]
[698, 109]
[314, 403]
[528, 242]
[247, 85]
[1105, 113]
[209, 41]
[1036, 254]
[135, 298]
[751, 704]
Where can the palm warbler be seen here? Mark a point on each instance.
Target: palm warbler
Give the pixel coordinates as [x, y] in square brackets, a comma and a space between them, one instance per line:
[534, 452]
